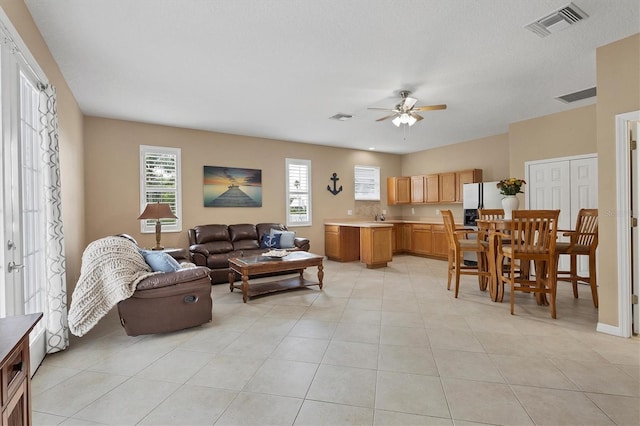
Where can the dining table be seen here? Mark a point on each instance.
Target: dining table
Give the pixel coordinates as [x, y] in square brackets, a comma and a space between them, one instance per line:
[492, 230]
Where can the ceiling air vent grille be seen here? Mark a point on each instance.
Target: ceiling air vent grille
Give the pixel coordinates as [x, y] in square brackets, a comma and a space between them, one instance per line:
[578, 96]
[558, 20]
[341, 117]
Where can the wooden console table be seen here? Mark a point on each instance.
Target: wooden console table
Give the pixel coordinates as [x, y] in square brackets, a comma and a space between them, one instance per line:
[15, 374]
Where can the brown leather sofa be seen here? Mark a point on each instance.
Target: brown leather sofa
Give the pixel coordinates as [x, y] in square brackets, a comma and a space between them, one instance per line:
[168, 301]
[213, 245]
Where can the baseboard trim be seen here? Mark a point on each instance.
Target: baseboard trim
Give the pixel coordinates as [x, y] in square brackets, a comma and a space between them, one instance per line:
[610, 329]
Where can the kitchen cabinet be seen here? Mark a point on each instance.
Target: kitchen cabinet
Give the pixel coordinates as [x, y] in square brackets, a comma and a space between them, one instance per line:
[15, 375]
[439, 241]
[466, 176]
[402, 237]
[375, 245]
[418, 189]
[432, 195]
[421, 239]
[398, 190]
[432, 188]
[447, 187]
[341, 243]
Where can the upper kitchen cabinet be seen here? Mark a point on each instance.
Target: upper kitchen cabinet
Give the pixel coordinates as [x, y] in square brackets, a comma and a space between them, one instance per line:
[466, 176]
[418, 189]
[447, 187]
[431, 184]
[398, 190]
[432, 189]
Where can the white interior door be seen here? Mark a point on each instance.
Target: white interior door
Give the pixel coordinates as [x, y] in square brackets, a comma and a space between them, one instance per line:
[584, 195]
[568, 184]
[23, 211]
[635, 245]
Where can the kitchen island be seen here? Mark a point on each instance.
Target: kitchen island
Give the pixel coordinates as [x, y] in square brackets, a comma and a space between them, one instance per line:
[371, 242]
[424, 237]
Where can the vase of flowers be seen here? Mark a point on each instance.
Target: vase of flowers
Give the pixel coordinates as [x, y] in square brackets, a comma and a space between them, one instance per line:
[509, 188]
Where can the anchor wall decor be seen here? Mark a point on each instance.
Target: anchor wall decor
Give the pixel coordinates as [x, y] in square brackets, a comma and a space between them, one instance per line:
[335, 180]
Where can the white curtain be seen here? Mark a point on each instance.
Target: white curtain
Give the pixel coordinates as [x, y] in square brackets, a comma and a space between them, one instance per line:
[56, 327]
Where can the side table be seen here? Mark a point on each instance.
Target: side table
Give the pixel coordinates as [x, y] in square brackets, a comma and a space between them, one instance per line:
[179, 254]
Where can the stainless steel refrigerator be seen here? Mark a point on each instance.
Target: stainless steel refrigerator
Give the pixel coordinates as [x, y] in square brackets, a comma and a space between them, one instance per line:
[483, 195]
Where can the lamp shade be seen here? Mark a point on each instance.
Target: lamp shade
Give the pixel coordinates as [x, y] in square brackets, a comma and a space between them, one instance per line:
[157, 211]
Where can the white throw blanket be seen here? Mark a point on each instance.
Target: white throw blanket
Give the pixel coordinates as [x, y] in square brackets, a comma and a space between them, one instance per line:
[111, 269]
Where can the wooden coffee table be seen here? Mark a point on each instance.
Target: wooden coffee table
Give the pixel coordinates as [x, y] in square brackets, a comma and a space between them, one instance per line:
[256, 265]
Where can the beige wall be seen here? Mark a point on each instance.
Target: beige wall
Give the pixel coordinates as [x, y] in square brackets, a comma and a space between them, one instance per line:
[618, 83]
[557, 135]
[112, 173]
[562, 134]
[491, 154]
[70, 137]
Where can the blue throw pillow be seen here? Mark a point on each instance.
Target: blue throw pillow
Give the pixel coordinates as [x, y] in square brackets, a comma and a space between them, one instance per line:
[270, 241]
[160, 261]
[286, 237]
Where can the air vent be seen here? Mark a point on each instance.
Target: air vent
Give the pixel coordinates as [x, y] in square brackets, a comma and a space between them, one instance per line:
[557, 21]
[341, 117]
[578, 96]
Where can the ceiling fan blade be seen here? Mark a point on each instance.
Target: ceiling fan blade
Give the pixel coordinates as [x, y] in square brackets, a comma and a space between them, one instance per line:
[382, 109]
[418, 117]
[386, 116]
[429, 107]
[408, 103]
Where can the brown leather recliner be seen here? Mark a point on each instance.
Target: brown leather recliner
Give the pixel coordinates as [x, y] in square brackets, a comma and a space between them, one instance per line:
[213, 245]
[168, 302]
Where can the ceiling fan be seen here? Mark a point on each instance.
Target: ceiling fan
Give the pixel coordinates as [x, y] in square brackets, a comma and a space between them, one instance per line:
[406, 112]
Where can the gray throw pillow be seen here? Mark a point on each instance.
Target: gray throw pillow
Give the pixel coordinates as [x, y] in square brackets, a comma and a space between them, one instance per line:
[286, 238]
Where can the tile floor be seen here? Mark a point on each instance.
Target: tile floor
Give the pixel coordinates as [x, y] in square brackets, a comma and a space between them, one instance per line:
[375, 347]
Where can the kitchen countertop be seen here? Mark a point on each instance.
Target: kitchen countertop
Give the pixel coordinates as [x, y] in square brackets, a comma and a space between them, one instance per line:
[371, 223]
[362, 224]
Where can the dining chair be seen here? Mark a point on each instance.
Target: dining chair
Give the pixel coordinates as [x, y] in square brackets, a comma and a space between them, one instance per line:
[498, 214]
[490, 214]
[459, 243]
[532, 237]
[583, 241]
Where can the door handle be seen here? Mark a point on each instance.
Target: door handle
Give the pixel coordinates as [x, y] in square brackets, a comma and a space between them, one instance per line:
[14, 266]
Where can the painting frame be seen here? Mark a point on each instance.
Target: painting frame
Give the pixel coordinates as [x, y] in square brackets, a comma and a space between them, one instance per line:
[231, 187]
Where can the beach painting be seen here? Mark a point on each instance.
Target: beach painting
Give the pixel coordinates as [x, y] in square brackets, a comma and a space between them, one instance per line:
[232, 187]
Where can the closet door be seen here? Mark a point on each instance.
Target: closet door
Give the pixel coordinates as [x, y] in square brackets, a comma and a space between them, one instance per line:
[568, 184]
[549, 188]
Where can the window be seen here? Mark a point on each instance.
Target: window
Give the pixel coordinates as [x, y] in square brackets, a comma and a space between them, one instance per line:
[367, 181]
[298, 192]
[160, 182]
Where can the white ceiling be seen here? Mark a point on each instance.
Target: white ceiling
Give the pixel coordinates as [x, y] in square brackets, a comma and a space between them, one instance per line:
[280, 68]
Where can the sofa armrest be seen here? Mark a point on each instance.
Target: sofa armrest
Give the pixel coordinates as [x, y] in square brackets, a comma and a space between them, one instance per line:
[301, 243]
[173, 278]
[199, 254]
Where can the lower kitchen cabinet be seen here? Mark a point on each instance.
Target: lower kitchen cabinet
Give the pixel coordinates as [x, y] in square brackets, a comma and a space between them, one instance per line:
[439, 241]
[375, 244]
[421, 239]
[402, 237]
[341, 243]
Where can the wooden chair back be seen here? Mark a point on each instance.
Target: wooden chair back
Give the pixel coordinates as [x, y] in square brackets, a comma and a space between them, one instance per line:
[449, 227]
[535, 233]
[586, 233]
[490, 214]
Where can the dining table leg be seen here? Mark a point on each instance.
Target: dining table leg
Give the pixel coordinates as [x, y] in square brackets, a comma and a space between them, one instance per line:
[495, 288]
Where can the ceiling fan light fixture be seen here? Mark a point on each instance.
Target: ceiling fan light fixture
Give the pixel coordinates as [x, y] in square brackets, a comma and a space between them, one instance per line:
[404, 118]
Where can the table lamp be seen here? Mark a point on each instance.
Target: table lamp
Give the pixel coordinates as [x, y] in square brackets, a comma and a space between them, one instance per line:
[157, 211]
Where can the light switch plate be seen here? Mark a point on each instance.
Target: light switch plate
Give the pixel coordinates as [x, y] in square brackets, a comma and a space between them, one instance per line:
[349, 212]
